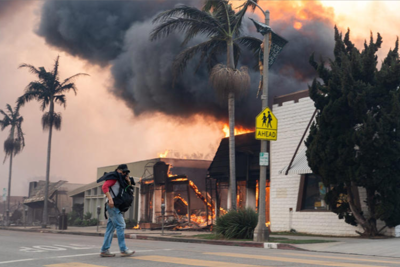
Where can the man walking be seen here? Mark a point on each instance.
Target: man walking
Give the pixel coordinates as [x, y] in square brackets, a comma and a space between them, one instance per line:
[116, 219]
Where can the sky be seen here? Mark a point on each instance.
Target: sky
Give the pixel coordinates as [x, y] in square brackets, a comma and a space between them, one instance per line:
[101, 127]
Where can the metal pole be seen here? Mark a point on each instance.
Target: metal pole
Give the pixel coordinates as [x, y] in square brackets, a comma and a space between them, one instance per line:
[261, 232]
[26, 215]
[98, 216]
[162, 214]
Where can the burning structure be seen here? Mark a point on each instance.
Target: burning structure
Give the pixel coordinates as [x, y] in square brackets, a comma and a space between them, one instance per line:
[247, 175]
[180, 185]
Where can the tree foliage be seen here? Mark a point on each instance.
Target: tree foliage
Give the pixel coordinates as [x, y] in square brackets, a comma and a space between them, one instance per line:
[355, 139]
[48, 90]
[218, 21]
[15, 141]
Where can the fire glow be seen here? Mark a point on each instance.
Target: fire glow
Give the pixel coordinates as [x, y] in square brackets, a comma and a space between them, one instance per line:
[238, 130]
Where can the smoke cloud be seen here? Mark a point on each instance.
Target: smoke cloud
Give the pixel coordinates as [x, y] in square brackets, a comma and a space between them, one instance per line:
[117, 33]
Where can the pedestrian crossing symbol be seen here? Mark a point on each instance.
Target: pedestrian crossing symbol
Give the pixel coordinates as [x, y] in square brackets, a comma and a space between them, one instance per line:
[266, 125]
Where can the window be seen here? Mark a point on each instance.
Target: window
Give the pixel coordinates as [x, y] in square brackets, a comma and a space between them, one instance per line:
[311, 193]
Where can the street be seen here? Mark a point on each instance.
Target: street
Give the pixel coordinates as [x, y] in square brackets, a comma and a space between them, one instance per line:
[19, 249]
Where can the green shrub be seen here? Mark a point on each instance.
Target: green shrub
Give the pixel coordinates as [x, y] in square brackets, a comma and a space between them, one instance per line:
[93, 222]
[87, 216]
[237, 224]
[77, 222]
[72, 216]
[16, 215]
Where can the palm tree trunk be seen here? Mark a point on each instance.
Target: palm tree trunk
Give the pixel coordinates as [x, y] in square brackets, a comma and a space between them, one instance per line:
[46, 191]
[9, 190]
[231, 110]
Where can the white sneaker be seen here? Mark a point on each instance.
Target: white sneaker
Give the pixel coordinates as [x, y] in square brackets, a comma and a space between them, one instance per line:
[127, 253]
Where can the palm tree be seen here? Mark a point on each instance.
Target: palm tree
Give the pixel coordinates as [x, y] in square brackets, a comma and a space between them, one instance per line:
[48, 90]
[222, 25]
[15, 141]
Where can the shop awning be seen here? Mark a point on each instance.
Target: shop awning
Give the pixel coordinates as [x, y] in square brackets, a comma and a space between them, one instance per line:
[299, 165]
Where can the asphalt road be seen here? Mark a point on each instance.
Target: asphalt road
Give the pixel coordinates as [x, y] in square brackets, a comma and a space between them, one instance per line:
[21, 249]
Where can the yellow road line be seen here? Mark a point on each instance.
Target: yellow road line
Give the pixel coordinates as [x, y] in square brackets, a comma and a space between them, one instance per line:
[293, 260]
[192, 262]
[74, 264]
[341, 258]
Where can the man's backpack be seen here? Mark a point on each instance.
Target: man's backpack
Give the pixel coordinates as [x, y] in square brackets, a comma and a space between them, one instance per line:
[123, 200]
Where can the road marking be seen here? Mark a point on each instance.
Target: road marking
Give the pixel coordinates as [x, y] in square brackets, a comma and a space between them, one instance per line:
[342, 258]
[294, 260]
[75, 246]
[191, 262]
[97, 253]
[73, 264]
[4, 262]
[49, 248]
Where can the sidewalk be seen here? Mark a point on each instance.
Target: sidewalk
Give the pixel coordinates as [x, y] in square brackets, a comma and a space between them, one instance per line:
[388, 247]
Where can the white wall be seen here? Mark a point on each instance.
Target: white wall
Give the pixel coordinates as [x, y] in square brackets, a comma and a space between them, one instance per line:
[293, 119]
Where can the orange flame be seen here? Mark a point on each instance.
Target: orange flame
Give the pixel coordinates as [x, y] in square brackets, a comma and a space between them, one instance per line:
[268, 224]
[136, 227]
[297, 25]
[238, 130]
[182, 199]
[179, 180]
[163, 155]
[257, 195]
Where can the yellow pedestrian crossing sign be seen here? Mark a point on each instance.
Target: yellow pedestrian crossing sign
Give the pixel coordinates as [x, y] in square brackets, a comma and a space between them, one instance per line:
[266, 125]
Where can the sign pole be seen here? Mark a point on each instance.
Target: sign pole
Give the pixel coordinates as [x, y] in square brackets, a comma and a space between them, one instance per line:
[261, 232]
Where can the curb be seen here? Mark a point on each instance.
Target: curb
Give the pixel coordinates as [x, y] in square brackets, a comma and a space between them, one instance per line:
[171, 239]
[216, 242]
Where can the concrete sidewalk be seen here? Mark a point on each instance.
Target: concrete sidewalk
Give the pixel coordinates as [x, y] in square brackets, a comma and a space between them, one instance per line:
[386, 247]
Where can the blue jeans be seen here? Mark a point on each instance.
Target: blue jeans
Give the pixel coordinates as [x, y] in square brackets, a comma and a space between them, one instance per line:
[115, 221]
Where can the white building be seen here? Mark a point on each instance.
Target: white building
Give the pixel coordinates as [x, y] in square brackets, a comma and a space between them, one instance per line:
[296, 195]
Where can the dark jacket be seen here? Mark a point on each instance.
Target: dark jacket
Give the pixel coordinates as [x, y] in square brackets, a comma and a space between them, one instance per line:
[115, 176]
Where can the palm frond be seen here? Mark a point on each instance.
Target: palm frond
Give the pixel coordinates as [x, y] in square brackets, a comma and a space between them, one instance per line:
[60, 99]
[66, 88]
[5, 123]
[184, 11]
[210, 5]
[31, 68]
[70, 79]
[33, 91]
[241, 13]
[253, 44]
[218, 49]
[183, 25]
[10, 110]
[180, 61]
[55, 69]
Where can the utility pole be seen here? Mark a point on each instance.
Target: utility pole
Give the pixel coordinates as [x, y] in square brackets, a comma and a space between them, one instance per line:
[261, 233]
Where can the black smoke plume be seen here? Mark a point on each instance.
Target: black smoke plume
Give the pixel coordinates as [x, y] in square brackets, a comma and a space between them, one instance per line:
[117, 33]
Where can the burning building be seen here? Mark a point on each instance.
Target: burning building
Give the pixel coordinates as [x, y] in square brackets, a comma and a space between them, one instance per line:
[247, 175]
[180, 185]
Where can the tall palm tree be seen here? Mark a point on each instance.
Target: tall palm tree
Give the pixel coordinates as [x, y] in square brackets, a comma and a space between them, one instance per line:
[48, 90]
[222, 25]
[15, 141]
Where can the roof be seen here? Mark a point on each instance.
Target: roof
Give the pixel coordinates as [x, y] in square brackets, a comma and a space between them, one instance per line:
[38, 193]
[82, 189]
[279, 100]
[299, 165]
[247, 149]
